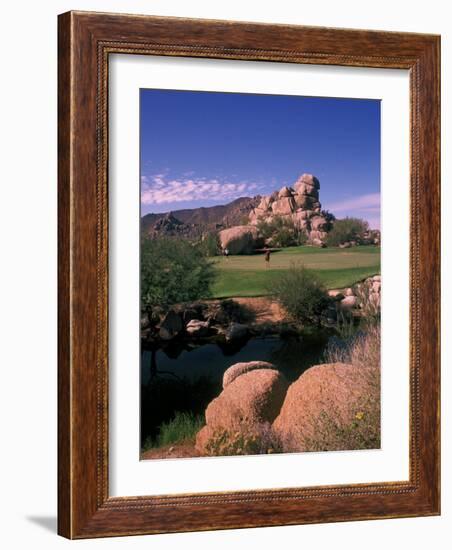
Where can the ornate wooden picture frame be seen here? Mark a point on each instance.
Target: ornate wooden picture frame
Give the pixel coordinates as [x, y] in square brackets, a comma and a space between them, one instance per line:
[86, 40]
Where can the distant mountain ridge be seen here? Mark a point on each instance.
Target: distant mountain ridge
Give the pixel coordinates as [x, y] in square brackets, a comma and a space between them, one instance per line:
[192, 222]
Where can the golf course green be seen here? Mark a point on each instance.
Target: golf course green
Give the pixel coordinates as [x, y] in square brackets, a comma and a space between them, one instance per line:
[250, 276]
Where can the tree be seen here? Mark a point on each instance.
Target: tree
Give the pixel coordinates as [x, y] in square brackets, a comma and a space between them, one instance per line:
[301, 293]
[173, 271]
[330, 218]
[347, 229]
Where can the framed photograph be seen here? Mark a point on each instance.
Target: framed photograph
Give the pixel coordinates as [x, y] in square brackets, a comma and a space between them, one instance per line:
[248, 275]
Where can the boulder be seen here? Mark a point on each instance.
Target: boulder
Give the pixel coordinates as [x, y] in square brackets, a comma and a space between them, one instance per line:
[284, 192]
[349, 302]
[144, 321]
[155, 314]
[253, 217]
[305, 189]
[241, 239]
[315, 241]
[345, 245]
[189, 314]
[170, 326]
[197, 328]
[349, 292]
[251, 399]
[337, 295]
[304, 201]
[311, 180]
[319, 223]
[285, 205]
[302, 215]
[264, 204]
[236, 331]
[315, 234]
[307, 184]
[332, 390]
[240, 368]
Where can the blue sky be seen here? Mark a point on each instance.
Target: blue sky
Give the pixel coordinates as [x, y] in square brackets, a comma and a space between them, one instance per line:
[204, 148]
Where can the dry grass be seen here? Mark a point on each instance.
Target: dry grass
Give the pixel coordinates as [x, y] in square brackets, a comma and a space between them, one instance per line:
[362, 351]
[363, 430]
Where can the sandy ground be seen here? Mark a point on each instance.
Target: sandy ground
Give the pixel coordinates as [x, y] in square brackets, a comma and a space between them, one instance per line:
[264, 308]
[177, 450]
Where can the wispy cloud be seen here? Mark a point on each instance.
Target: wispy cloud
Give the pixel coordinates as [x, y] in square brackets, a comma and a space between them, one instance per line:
[363, 206]
[369, 203]
[160, 189]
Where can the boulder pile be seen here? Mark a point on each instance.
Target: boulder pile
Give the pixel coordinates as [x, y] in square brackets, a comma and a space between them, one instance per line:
[259, 412]
[224, 320]
[364, 297]
[299, 203]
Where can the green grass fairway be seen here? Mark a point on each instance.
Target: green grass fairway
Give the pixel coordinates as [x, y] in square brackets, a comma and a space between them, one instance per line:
[249, 276]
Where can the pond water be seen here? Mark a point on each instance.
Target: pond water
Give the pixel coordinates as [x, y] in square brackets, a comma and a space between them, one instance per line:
[181, 377]
[291, 356]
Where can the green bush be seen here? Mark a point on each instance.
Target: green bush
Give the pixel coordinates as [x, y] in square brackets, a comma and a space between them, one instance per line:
[183, 427]
[173, 271]
[283, 232]
[301, 293]
[347, 229]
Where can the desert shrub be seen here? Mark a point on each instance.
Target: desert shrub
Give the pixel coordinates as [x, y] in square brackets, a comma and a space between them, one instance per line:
[363, 432]
[301, 293]
[173, 271]
[283, 232]
[362, 350]
[245, 439]
[330, 218]
[345, 324]
[347, 229]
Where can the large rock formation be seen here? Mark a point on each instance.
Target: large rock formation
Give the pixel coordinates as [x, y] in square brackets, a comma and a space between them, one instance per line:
[300, 204]
[241, 239]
